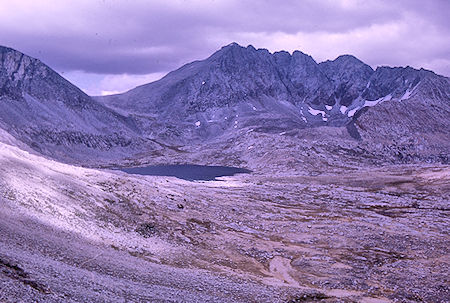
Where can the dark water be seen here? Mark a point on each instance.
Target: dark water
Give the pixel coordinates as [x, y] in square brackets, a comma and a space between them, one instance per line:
[187, 171]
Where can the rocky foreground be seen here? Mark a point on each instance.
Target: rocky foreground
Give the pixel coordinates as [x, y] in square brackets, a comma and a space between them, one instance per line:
[71, 234]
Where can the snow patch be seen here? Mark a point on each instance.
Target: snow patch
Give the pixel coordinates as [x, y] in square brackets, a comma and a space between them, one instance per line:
[343, 109]
[408, 93]
[254, 108]
[328, 107]
[372, 103]
[197, 123]
[379, 100]
[203, 83]
[353, 111]
[316, 112]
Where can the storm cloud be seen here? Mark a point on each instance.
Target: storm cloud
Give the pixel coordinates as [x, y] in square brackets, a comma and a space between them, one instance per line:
[109, 45]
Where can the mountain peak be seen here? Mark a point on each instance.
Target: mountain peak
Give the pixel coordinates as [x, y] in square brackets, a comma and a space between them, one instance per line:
[22, 73]
[231, 46]
[235, 47]
[346, 57]
[6, 49]
[345, 61]
[236, 55]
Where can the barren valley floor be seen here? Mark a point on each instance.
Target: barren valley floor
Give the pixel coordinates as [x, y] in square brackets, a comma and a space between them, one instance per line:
[72, 234]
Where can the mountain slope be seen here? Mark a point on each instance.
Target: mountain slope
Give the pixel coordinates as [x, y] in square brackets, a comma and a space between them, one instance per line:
[415, 125]
[54, 117]
[349, 76]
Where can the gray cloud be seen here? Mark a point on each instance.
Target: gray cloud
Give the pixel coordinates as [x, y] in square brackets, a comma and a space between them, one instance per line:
[147, 37]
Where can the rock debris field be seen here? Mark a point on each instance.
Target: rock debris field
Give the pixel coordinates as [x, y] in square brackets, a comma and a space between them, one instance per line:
[72, 234]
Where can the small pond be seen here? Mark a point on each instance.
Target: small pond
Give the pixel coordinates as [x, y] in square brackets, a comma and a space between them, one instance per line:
[187, 171]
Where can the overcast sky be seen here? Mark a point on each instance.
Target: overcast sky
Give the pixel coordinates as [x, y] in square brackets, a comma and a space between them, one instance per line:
[107, 46]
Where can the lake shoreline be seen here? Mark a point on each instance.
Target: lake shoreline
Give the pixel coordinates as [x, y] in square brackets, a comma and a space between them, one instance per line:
[189, 172]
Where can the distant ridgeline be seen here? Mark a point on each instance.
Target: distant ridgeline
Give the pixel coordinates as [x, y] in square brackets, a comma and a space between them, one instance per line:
[236, 88]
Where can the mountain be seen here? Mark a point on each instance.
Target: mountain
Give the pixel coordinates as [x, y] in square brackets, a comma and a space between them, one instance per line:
[240, 87]
[54, 117]
[235, 87]
[220, 104]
